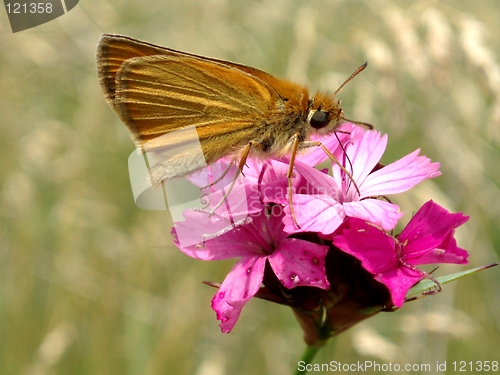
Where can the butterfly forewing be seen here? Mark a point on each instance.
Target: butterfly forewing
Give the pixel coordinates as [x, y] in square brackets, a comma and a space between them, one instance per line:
[113, 50]
[158, 94]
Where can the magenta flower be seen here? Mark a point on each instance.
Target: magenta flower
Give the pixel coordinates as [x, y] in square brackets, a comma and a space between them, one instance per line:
[257, 240]
[428, 238]
[341, 228]
[334, 198]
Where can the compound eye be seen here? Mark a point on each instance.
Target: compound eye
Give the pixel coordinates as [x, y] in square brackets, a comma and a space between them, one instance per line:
[319, 120]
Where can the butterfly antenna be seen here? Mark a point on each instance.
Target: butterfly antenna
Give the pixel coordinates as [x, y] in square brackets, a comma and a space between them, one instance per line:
[360, 123]
[356, 72]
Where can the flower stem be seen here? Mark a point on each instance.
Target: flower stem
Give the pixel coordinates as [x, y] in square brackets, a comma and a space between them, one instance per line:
[306, 359]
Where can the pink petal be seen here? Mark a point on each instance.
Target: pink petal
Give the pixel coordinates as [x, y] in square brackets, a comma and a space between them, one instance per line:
[431, 228]
[300, 263]
[373, 247]
[377, 252]
[211, 173]
[434, 219]
[399, 176]
[239, 286]
[274, 184]
[269, 226]
[399, 281]
[242, 200]
[314, 213]
[448, 252]
[378, 212]
[207, 238]
[197, 228]
[320, 182]
[364, 155]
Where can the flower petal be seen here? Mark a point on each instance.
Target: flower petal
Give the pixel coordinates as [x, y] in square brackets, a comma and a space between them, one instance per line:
[242, 200]
[274, 182]
[448, 252]
[373, 247]
[381, 213]
[399, 176]
[377, 252]
[399, 281]
[430, 229]
[318, 181]
[269, 225]
[239, 286]
[314, 213]
[300, 263]
[206, 237]
[364, 154]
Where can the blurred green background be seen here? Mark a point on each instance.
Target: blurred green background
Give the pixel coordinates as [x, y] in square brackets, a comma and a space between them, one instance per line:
[91, 284]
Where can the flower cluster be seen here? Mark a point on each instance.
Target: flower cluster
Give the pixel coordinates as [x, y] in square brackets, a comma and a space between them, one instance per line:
[291, 234]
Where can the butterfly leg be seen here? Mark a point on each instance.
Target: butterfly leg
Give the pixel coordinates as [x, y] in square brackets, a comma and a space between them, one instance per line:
[306, 144]
[289, 175]
[244, 155]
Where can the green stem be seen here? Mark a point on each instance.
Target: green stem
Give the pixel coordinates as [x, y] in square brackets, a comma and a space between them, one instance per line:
[306, 359]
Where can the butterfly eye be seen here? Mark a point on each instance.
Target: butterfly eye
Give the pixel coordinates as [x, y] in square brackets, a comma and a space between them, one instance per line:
[319, 120]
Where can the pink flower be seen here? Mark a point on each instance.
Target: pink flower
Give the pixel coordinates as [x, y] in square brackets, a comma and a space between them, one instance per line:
[257, 240]
[334, 198]
[428, 238]
[254, 223]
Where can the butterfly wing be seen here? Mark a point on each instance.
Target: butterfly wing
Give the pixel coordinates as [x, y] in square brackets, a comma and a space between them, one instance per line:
[162, 94]
[158, 94]
[163, 98]
[113, 50]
